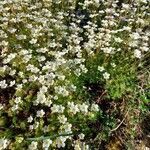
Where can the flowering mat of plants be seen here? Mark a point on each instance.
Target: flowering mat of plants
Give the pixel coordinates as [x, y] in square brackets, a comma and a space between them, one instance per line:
[74, 75]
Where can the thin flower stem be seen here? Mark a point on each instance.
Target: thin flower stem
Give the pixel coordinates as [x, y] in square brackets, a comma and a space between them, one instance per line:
[48, 137]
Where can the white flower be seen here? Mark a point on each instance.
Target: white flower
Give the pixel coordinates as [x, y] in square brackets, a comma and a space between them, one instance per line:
[30, 119]
[32, 68]
[144, 1]
[62, 119]
[33, 41]
[125, 6]
[48, 102]
[12, 83]
[40, 113]
[24, 81]
[83, 108]
[41, 58]
[47, 143]
[108, 50]
[15, 107]
[97, 1]
[33, 145]
[73, 108]
[46, 129]
[41, 79]
[83, 68]
[119, 40]
[21, 37]
[12, 30]
[3, 84]
[81, 136]
[57, 108]
[101, 68]
[94, 107]
[135, 36]
[33, 78]
[31, 127]
[18, 100]
[61, 77]
[19, 86]
[106, 75]
[43, 89]
[12, 72]
[29, 26]
[21, 74]
[77, 72]
[61, 90]
[144, 48]
[137, 53]
[77, 147]
[60, 141]
[72, 87]
[4, 43]
[3, 143]
[3, 69]
[26, 58]
[86, 147]
[42, 50]
[61, 109]
[67, 127]
[1, 106]
[41, 98]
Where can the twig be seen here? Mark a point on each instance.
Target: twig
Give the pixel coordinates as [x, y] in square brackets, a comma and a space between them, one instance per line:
[101, 96]
[120, 122]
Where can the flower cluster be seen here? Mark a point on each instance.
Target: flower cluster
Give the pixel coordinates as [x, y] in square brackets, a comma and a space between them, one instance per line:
[46, 48]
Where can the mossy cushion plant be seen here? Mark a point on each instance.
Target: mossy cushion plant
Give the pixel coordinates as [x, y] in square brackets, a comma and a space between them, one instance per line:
[65, 65]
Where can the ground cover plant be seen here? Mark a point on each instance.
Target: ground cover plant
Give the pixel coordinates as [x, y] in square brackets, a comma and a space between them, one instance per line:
[74, 74]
